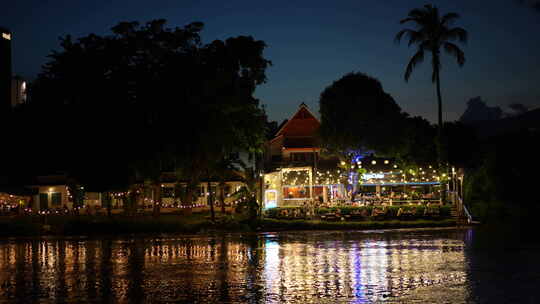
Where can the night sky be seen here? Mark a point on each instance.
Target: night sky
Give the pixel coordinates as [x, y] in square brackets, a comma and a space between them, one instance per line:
[312, 43]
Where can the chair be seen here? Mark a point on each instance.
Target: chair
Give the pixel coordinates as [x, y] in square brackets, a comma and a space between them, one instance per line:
[379, 212]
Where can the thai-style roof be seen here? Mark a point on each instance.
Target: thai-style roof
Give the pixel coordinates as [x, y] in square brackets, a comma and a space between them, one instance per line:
[302, 123]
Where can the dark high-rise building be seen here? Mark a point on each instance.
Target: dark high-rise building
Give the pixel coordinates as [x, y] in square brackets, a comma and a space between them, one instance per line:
[5, 70]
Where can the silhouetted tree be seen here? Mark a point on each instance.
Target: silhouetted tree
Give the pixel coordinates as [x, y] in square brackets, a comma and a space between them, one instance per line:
[464, 147]
[420, 137]
[224, 169]
[503, 187]
[271, 129]
[357, 114]
[433, 33]
[149, 95]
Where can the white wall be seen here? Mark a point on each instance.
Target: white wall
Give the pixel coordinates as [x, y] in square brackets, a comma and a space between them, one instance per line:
[49, 190]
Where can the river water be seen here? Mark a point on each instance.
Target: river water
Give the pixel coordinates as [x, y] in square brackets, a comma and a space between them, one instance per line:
[411, 266]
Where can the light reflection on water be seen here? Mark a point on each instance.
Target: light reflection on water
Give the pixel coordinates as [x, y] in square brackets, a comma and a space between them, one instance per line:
[302, 267]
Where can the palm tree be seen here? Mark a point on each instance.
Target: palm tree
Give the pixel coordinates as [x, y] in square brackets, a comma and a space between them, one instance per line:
[432, 34]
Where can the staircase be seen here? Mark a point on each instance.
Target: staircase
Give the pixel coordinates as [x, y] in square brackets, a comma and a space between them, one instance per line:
[461, 219]
[461, 214]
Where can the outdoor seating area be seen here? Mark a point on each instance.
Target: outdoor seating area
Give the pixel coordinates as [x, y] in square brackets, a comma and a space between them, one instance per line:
[363, 213]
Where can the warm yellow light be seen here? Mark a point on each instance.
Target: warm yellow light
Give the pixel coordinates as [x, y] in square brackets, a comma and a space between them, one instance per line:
[6, 36]
[51, 189]
[386, 161]
[395, 166]
[373, 162]
[342, 163]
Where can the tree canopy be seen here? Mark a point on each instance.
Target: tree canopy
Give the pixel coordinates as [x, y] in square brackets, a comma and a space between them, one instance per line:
[147, 97]
[357, 114]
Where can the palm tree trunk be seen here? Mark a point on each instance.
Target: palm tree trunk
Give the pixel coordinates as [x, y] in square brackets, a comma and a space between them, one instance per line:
[440, 148]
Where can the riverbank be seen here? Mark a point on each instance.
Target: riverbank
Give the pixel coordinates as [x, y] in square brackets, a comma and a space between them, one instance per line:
[195, 223]
[283, 225]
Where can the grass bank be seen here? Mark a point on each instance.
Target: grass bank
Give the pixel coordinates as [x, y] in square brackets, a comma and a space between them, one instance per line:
[195, 223]
[117, 224]
[280, 225]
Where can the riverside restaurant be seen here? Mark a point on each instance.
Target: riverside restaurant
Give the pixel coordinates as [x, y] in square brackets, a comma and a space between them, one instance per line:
[301, 186]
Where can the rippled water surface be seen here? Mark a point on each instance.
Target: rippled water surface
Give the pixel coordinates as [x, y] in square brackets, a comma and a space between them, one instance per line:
[420, 266]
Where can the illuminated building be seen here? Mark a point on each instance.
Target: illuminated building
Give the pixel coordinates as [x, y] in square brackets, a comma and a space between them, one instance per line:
[292, 160]
[5, 70]
[297, 173]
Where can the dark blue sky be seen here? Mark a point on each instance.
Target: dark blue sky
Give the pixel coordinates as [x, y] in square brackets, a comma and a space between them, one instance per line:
[312, 43]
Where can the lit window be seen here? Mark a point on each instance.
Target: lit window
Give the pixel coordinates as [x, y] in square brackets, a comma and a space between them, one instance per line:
[6, 36]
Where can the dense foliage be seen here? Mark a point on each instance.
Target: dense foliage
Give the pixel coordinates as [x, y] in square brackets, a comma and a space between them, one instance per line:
[357, 114]
[503, 186]
[113, 109]
[392, 211]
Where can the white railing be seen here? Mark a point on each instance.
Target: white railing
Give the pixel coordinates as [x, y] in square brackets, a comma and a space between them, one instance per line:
[461, 207]
[468, 214]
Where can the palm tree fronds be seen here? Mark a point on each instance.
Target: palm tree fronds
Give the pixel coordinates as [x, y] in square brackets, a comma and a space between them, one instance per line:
[415, 60]
[457, 33]
[403, 21]
[412, 35]
[433, 33]
[456, 52]
[449, 18]
[419, 13]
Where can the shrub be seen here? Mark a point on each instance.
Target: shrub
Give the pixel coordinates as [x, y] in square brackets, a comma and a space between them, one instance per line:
[392, 211]
[275, 212]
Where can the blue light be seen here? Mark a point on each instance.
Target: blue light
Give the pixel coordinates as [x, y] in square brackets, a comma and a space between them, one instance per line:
[401, 184]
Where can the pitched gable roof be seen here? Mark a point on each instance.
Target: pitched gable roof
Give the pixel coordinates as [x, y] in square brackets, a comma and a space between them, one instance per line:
[302, 123]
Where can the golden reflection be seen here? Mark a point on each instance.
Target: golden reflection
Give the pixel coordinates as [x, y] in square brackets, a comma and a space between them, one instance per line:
[368, 270]
[268, 268]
